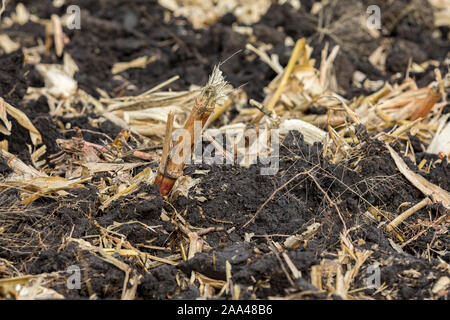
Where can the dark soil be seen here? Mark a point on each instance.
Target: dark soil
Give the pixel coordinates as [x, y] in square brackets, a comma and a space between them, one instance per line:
[118, 30]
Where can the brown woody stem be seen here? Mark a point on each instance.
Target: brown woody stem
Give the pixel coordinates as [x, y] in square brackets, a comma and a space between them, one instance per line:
[171, 171]
[172, 164]
[431, 99]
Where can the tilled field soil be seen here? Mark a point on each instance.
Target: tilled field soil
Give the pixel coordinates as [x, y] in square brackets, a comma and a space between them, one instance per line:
[308, 193]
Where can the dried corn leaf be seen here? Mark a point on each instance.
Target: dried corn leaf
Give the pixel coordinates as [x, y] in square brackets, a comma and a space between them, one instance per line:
[22, 119]
[429, 189]
[37, 154]
[94, 249]
[441, 12]
[310, 132]
[35, 291]
[182, 187]
[202, 13]
[95, 167]
[6, 129]
[441, 140]
[143, 177]
[42, 186]
[7, 44]
[19, 167]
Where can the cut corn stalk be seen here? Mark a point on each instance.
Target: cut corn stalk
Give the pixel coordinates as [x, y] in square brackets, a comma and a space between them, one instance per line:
[431, 99]
[214, 91]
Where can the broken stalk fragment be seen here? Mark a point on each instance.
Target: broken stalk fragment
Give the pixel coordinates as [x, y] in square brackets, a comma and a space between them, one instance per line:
[169, 171]
[431, 99]
[394, 223]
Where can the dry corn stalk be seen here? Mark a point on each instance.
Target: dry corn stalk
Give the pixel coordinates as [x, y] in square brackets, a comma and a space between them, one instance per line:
[431, 99]
[170, 170]
[399, 219]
